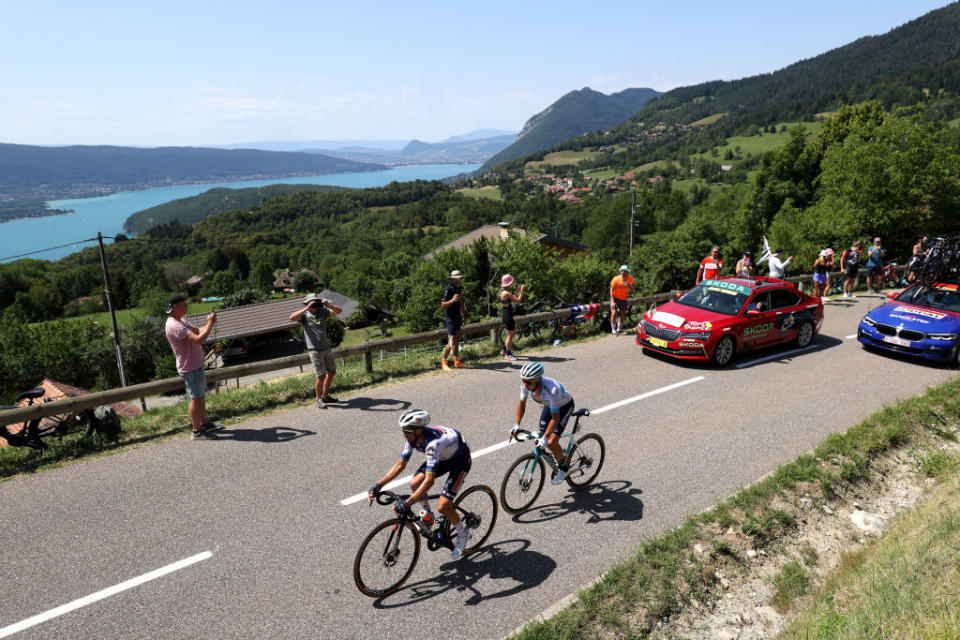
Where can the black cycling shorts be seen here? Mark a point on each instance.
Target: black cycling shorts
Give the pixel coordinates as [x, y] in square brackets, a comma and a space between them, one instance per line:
[546, 416]
[457, 467]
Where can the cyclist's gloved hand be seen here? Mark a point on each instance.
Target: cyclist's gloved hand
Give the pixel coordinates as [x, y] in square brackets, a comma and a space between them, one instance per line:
[541, 443]
[401, 508]
[514, 431]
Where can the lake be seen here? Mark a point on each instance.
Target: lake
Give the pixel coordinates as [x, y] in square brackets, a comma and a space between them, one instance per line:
[108, 213]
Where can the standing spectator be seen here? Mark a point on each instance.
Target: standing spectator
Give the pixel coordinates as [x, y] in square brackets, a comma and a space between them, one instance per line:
[778, 268]
[821, 267]
[830, 266]
[919, 252]
[455, 311]
[875, 256]
[313, 319]
[620, 288]
[710, 266]
[745, 265]
[186, 341]
[507, 298]
[850, 261]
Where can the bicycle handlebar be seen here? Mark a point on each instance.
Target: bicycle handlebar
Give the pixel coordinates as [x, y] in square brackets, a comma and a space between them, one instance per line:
[387, 497]
[526, 435]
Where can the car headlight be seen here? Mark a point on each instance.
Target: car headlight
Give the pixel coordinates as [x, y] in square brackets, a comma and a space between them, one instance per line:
[942, 336]
[700, 335]
[868, 321]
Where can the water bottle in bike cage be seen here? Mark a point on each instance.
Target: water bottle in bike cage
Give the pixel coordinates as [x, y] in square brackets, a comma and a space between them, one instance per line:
[426, 518]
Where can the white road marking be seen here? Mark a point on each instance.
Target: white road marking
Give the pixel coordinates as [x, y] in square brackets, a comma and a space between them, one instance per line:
[100, 595]
[506, 443]
[643, 396]
[773, 357]
[851, 337]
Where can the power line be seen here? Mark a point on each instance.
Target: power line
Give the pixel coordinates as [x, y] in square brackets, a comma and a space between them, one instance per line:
[30, 253]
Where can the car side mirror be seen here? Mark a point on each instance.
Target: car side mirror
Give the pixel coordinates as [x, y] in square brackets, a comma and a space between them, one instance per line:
[891, 294]
[753, 313]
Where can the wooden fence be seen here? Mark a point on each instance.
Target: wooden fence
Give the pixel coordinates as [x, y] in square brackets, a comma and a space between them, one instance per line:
[366, 349]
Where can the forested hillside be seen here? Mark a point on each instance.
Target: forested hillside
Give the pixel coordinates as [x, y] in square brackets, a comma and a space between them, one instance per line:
[34, 174]
[189, 210]
[575, 113]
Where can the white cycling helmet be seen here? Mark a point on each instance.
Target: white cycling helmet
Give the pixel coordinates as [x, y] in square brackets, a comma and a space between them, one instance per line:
[414, 419]
[531, 371]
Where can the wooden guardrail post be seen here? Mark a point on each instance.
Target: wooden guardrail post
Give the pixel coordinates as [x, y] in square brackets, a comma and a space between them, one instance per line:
[367, 362]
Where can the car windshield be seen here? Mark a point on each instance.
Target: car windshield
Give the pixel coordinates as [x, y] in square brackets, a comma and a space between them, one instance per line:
[936, 296]
[716, 295]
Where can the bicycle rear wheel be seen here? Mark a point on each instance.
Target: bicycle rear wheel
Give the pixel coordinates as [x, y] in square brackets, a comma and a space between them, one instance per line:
[386, 558]
[585, 460]
[477, 506]
[522, 484]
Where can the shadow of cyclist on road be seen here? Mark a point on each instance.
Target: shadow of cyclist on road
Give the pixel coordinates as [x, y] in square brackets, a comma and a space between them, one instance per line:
[510, 562]
[609, 500]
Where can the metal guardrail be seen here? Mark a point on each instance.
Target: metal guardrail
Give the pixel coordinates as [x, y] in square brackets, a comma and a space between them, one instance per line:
[156, 387]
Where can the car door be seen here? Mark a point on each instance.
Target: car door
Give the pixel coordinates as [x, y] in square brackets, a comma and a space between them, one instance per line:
[759, 325]
[785, 304]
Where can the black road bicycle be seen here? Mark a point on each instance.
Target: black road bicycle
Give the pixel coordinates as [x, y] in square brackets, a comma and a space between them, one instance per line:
[34, 431]
[389, 553]
[524, 478]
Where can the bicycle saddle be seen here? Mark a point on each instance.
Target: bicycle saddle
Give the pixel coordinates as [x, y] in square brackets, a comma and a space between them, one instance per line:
[32, 394]
[581, 412]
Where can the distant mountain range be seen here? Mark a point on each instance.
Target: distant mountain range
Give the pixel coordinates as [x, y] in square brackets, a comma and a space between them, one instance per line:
[578, 112]
[474, 147]
[35, 174]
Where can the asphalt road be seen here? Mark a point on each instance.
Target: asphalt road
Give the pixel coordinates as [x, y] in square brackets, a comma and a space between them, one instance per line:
[263, 504]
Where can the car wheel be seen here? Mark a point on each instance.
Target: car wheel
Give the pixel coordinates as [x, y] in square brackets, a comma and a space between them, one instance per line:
[723, 352]
[804, 335]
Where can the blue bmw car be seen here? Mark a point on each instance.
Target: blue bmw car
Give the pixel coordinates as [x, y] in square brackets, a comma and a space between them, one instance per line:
[922, 321]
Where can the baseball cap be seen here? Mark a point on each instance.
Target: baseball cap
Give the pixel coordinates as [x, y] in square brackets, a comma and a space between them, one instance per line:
[778, 250]
[624, 267]
[174, 300]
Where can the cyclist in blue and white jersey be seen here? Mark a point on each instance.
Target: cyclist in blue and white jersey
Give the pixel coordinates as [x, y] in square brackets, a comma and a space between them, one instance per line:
[447, 453]
[557, 407]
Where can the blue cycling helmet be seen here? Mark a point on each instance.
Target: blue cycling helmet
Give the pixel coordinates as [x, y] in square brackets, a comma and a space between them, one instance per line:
[531, 371]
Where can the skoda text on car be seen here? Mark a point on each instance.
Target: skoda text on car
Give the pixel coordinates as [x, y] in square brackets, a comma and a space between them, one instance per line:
[923, 320]
[718, 318]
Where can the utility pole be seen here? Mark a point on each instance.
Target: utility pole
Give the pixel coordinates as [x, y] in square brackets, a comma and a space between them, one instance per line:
[633, 210]
[113, 315]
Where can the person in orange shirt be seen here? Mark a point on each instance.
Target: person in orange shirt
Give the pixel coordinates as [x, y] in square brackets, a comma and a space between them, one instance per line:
[620, 288]
[710, 266]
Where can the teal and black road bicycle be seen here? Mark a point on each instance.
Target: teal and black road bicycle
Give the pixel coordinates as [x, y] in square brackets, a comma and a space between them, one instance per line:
[524, 479]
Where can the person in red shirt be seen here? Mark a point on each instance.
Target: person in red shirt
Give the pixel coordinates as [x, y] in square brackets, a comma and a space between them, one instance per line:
[710, 266]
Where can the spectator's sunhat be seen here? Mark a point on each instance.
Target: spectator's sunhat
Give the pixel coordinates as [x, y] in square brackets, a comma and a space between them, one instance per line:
[506, 280]
[828, 252]
[310, 298]
[823, 253]
[456, 275]
[876, 239]
[175, 299]
[624, 267]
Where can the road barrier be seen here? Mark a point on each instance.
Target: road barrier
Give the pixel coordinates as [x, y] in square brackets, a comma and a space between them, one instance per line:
[365, 349]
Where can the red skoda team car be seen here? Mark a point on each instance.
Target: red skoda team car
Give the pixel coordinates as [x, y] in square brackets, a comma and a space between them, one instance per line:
[718, 318]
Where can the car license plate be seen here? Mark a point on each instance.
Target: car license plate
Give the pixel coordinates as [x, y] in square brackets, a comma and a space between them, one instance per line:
[657, 342]
[897, 341]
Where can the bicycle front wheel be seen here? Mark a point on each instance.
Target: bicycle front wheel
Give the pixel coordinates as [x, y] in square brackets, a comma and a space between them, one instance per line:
[386, 558]
[522, 484]
[477, 506]
[585, 460]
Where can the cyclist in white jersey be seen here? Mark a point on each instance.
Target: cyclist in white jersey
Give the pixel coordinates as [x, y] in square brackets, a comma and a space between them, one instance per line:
[447, 453]
[557, 407]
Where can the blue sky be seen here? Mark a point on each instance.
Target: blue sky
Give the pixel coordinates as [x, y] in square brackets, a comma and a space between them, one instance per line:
[203, 73]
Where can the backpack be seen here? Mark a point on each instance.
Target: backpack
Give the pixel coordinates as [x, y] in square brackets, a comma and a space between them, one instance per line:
[106, 421]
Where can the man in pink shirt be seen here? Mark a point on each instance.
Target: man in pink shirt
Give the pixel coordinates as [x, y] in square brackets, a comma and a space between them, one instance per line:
[186, 341]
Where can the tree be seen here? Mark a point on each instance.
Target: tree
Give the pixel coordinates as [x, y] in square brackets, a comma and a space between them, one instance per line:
[262, 276]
